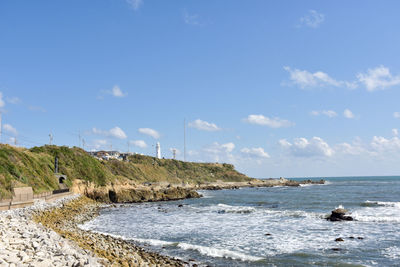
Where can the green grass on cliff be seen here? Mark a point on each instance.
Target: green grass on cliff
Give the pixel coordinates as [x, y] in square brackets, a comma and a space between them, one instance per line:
[35, 167]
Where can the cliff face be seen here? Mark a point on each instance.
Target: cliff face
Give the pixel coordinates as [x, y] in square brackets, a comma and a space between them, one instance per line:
[35, 167]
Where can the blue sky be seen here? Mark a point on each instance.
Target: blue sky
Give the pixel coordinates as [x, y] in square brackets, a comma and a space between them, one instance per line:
[278, 88]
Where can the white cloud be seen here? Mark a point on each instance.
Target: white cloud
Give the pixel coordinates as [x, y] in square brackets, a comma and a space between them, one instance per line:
[313, 19]
[193, 153]
[138, 143]
[306, 79]
[191, 19]
[13, 100]
[395, 132]
[116, 91]
[219, 152]
[97, 144]
[135, 4]
[348, 114]
[384, 145]
[328, 113]
[257, 152]
[204, 126]
[351, 149]
[149, 132]
[265, 121]
[396, 115]
[378, 78]
[113, 132]
[10, 129]
[2, 104]
[301, 147]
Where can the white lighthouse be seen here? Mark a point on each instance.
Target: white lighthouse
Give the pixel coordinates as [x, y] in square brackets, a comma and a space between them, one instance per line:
[158, 150]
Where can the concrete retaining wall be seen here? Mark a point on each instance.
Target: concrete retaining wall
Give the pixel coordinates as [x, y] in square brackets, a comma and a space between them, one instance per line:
[24, 197]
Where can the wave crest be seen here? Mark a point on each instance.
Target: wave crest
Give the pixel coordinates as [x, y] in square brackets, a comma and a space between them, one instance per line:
[223, 208]
[219, 253]
[380, 204]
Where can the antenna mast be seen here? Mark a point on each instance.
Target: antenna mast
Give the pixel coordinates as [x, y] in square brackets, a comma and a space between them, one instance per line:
[184, 139]
[1, 127]
[50, 139]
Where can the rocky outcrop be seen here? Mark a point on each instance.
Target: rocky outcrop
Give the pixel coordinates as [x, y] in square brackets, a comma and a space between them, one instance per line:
[339, 214]
[142, 195]
[146, 195]
[309, 181]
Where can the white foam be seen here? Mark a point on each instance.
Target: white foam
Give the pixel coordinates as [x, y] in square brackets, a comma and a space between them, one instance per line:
[392, 253]
[378, 211]
[376, 218]
[154, 242]
[384, 203]
[235, 209]
[218, 252]
[340, 207]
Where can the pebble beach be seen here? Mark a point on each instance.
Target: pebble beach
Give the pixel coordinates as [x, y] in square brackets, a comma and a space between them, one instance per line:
[26, 243]
[49, 235]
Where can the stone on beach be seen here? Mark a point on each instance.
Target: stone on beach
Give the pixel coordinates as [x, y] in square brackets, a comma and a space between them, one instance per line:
[339, 214]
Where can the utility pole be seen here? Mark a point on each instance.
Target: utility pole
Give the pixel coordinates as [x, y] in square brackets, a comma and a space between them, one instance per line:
[83, 143]
[50, 139]
[184, 139]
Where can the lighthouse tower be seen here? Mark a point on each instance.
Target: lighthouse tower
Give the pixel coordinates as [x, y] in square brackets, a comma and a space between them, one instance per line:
[158, 150]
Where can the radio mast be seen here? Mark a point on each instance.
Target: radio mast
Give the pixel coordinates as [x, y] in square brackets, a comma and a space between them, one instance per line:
[184, 139]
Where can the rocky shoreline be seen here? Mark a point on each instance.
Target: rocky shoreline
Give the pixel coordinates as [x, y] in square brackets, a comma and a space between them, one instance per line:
[150, 192]
[49, 234]
[26, 243]
[113, 251]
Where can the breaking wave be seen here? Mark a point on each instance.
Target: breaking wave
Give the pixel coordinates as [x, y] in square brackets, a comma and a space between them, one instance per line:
[220, 253]
[223, 208]
[380, 204]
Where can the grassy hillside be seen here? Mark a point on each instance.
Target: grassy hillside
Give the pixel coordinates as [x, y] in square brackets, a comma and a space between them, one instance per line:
[35, 167]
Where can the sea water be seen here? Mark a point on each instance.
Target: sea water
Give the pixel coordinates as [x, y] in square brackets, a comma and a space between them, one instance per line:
[278, 226]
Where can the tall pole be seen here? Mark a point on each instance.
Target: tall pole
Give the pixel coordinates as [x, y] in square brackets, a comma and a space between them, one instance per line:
[50, 139]
[79, 136]
[1, 127]
[184, 139]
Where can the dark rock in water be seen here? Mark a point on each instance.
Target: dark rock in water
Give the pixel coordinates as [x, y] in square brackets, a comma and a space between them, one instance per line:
[351, 237]
[309, 181]
[339, 215]
[268, 234]
[180, 206]
[339, 239]
[336, 249]
[212, 187]
[360, 237]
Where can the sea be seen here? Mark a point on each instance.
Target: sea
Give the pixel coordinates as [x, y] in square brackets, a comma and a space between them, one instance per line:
[275, 226]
